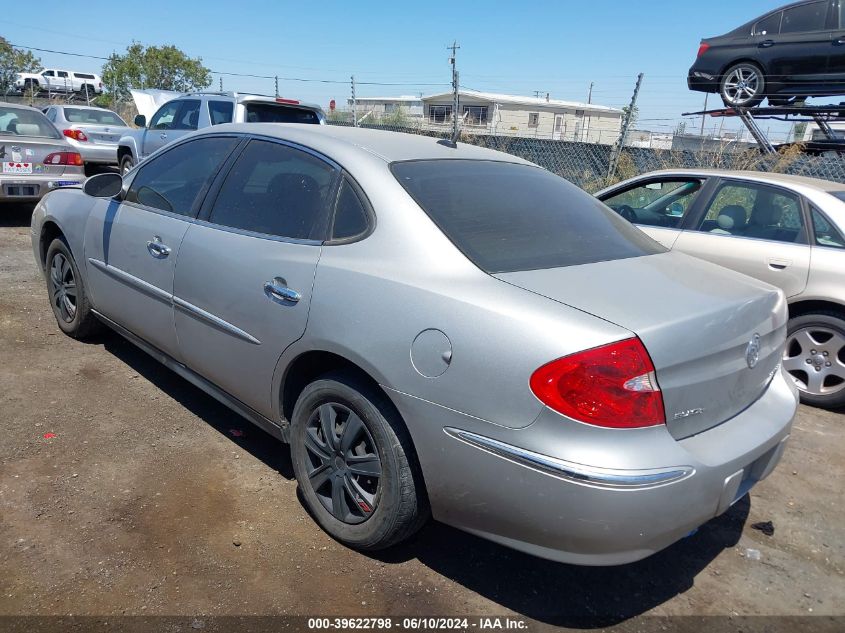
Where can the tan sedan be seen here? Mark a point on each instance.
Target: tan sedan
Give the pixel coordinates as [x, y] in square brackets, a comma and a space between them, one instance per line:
[786, 230]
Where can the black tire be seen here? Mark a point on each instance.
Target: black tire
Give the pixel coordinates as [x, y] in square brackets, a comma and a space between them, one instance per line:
[821, 332]
[71, 309]
[87, 91]
[397, 504]
[31, 86]
[743, 85]
[126, 164]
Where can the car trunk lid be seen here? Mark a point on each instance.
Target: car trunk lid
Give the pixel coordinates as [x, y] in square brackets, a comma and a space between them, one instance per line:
[715, 337]
[24, 155]
[102, 134]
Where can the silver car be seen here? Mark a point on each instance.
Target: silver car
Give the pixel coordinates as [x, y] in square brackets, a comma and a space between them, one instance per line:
[93, 132]
[785, 230]
[34, 157]
[435, 328]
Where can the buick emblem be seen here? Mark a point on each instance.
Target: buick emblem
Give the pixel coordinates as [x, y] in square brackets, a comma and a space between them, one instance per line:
[752, 352]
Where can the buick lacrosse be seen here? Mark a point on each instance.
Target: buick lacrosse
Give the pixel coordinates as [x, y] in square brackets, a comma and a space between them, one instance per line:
[435, 330]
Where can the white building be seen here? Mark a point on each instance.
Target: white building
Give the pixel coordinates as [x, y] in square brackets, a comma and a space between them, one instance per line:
[512, 115]
[375, 108]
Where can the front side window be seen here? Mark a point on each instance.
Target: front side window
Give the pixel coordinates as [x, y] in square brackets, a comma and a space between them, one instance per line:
[188, 116]
[755, 210]
[769, 25]
[805, 18]
[164, 117]
[176, 180]
[663, 203]
[48, 73]
[220, 111]
[276, 190]
[826, 234]
[507, 217]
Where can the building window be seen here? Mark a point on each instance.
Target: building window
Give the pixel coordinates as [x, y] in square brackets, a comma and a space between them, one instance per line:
[533, 119]
[579, 113]
[439, 113]
[475, 115]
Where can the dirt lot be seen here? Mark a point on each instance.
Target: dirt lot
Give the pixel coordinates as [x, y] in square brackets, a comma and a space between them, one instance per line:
[147, 502]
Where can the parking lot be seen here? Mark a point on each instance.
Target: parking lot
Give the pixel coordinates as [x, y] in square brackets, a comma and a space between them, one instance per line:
[125, 490]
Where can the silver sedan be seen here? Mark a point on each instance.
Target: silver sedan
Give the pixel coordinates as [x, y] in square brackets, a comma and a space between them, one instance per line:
[93, 132]
[788, 231]
[435, 330]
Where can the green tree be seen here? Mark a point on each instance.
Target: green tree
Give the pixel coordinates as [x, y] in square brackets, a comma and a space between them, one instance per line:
[163, 67]
[14, 61]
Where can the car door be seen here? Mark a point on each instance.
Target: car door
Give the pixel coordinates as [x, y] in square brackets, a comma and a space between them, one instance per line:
[657, 205]
[799, 52]
[245, 272]
[836, 60]
[48, 80]
[131, 245]
[756, 229]
[172, 121]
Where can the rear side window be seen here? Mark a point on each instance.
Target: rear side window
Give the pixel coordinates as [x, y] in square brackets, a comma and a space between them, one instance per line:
[350, 218]
[805, 18]
[769, 25]
[277, 190]
[507, 217]
[220, 111]
[263, 112]
[175, 180]
[826, 233]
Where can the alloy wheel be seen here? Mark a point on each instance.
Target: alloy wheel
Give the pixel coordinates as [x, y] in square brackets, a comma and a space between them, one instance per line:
[343, 465]
[63, 285]
[742, 85]
[815, 358]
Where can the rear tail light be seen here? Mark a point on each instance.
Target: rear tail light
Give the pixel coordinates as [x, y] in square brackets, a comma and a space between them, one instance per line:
[64, 158]
[612, 386]
[703, 48]
[76, 135]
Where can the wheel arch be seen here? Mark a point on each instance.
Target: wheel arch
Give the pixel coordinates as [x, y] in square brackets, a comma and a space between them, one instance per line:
[744, 60]
[50, 230]
[808, 306]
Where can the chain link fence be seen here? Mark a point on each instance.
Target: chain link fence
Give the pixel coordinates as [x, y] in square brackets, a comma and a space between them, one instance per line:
[587, 164]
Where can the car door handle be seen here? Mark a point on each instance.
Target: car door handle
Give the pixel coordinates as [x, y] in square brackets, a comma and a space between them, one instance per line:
[779, 264]
[157, 249]
[163, 135]
[277, 290]
[767, 43]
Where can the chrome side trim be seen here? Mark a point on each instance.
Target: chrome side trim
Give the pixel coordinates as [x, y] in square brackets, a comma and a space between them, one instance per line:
[569, 471]
[213, 320]
[165, 297]
[139, 284]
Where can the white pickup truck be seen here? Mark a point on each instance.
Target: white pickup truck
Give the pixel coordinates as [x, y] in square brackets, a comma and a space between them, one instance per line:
[55, 80]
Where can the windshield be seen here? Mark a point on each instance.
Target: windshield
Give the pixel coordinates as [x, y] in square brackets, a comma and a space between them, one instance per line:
[263, 112]
[95, 117]
[20, 122]
[507, 217]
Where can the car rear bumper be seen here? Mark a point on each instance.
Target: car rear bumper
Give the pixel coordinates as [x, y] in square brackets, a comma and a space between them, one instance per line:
[101, 153]
[31, 187]
[573, 493]
[702, 81]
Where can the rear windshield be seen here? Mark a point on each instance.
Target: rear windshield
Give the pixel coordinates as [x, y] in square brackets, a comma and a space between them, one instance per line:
[19, 122]
[507, 217]
[96, 117]
[271, 113]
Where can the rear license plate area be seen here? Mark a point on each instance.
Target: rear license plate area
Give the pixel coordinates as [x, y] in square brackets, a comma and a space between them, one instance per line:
[23, 191]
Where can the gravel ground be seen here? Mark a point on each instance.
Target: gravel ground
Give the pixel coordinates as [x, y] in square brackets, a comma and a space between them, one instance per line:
[150, 498]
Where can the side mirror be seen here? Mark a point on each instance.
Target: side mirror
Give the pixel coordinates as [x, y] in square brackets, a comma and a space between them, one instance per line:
[676, 209]
[103, 185]
[140, 120]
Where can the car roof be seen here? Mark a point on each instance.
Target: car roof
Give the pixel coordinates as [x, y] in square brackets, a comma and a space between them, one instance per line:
[788, 180]
[19, 106]
[386, 145]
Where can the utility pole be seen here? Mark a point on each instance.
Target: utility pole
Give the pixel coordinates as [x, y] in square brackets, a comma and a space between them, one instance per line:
[590, 93]
[221, 83]
[704, 116]
[456, 97]
[354, 117]
[626, 122]
[277, 86]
